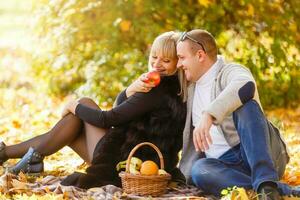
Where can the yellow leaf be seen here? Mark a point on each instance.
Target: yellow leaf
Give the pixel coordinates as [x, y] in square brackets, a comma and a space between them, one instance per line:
[125, 25]
[19, 185]
[239, 194]
[47, 190]
[66, 195]
[22, 177]
[293, 27]
[291, 198]
[16, 124]
[250, 10]
[204, 3]
[6, 181]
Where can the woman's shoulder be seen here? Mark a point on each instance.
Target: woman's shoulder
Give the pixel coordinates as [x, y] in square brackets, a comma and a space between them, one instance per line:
[170, 79]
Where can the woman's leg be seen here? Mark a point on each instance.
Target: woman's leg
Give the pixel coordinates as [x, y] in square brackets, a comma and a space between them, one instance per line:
[64, 131]
[19, 150]
[84, 145]
[70, 130]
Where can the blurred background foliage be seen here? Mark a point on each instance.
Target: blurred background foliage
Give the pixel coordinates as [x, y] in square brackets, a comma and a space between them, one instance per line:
[97, 47]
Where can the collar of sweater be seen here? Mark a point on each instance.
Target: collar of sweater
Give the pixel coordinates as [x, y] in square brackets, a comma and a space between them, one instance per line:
[212, 72]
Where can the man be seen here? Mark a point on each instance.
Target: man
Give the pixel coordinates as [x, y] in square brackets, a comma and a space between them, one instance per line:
[227, 140]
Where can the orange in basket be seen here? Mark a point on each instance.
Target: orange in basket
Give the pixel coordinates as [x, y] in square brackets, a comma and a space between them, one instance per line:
[149, 168]
[153, 185]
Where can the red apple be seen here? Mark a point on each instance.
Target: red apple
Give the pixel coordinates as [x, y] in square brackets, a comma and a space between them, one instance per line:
[153, 77]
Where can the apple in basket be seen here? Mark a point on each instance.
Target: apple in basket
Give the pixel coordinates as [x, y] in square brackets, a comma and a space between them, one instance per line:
[162, 172]
[134, 166]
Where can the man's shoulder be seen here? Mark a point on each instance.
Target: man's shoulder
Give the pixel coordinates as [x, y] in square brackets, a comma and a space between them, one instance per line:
[233, 67]
[227, 64]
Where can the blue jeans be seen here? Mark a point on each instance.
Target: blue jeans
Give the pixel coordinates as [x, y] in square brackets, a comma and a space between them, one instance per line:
[245, 165]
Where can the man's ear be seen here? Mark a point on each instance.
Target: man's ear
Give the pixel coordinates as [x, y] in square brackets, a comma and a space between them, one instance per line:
[200, 55]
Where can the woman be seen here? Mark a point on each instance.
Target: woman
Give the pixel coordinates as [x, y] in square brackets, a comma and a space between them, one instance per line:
[103, 138]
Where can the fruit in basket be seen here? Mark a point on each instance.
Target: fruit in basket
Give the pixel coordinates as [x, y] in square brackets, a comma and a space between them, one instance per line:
[149, 168]
[133, 170]
[162, 172]
[134, 167]
[121, 165]
[136, 162]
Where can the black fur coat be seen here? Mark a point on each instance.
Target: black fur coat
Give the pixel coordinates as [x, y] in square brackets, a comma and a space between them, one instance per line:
[162, 127]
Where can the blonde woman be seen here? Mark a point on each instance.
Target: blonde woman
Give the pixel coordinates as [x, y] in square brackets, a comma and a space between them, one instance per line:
[104, 138]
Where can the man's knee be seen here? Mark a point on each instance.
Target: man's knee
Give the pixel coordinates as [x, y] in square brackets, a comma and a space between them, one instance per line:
[246, 92]
[249, 105]
[249, 109]
[88, 102]
[201, 172]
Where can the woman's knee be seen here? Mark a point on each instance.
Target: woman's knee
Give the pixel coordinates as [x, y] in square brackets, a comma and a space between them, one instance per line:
[88, 102]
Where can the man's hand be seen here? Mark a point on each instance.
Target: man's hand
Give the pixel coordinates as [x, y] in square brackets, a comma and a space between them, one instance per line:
[201, 135]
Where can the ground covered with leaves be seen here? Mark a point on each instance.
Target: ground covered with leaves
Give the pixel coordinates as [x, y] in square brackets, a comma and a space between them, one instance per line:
[26, 111]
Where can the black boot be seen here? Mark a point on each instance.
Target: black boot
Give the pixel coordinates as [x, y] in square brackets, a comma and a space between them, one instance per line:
[268, 192]
[3, 156]
[32, 162]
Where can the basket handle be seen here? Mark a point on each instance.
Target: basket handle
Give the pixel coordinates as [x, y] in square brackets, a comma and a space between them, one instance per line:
[161, 159]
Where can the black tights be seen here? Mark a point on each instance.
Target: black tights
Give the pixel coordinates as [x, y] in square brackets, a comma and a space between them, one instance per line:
[69, 131]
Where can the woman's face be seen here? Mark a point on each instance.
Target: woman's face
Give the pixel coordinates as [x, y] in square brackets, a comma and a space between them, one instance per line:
[165, 66]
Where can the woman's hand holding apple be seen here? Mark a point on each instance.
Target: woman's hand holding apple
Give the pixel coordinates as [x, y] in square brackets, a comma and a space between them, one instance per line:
[153, 77]
[142, 84]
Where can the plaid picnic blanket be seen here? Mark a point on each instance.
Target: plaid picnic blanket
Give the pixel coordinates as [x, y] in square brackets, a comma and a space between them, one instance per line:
[11, 184]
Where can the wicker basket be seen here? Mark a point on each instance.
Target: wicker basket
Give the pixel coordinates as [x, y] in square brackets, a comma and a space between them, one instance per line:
[153, 185]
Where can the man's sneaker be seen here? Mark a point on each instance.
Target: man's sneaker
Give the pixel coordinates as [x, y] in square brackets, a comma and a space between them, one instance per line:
[268, 193]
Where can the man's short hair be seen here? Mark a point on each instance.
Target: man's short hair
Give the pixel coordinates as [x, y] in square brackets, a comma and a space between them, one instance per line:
[208, 41]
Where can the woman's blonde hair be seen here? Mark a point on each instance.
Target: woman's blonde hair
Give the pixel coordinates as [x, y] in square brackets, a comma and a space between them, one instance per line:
[165, 45]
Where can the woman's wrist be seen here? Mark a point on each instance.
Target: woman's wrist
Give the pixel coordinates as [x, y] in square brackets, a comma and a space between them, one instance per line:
[129, 91]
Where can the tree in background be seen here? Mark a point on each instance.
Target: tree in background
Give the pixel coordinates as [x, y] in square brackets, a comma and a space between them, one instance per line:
[98, 47]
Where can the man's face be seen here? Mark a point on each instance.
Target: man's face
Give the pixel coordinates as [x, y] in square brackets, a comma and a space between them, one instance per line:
[189, 61]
